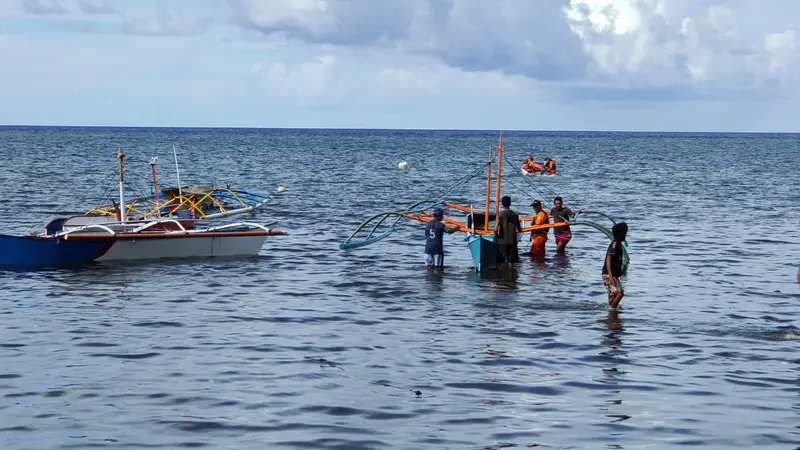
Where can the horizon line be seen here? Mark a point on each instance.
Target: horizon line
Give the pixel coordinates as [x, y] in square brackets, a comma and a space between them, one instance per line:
[300, 128]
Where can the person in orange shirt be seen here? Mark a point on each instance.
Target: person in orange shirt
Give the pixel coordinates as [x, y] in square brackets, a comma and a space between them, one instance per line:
[530, 165]
[539, 237]
[550, 166]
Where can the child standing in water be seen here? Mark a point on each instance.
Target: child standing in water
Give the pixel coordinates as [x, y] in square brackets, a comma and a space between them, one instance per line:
[434, 244]
[612, 266]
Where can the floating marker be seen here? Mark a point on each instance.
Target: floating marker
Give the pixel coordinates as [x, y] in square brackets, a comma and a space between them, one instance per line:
[403, 165]
[281, 189]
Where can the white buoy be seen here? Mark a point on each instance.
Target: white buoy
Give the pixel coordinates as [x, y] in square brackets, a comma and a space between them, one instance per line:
[403, 165]
[281, 189]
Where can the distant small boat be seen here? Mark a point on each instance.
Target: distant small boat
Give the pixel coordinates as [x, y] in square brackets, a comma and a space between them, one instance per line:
[532, 173]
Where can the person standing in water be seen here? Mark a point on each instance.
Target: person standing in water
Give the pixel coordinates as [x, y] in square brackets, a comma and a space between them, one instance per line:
[506, 227]
[539, 237]
[562, 214]
[434, 244]
[612, 266]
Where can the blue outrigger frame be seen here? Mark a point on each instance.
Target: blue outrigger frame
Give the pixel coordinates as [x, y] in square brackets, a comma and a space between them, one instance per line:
[483, 247]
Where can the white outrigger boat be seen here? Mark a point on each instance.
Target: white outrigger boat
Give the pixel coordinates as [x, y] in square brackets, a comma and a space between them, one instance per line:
[82, 239]
[165, 239]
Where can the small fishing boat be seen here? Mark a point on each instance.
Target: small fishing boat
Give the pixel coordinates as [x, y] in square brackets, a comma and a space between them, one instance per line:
[540, 169]
[478, 226]
[533, 173]
[79, 240]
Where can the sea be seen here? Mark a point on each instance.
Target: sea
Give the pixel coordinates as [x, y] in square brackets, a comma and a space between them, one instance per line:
[308, 346]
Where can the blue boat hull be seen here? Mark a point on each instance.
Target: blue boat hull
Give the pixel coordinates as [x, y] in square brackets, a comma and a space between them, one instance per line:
[32, 251]
[484, 252]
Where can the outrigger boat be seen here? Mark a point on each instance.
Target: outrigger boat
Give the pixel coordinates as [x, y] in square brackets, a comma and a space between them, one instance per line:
[193, 202]
[67, 242]
[477, 225]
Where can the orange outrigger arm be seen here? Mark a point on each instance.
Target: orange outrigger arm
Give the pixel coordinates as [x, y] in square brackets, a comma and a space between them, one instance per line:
[425, 216]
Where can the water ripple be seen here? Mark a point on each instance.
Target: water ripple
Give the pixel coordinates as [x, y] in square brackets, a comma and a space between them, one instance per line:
[307, 346]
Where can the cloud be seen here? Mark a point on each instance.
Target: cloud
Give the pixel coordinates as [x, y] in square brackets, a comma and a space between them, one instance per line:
[166, 23]
[95, 7]
[646, 44]
[640, 45]
[385, 83]
[561, 64]
[43, 7]
[340, 22]
[512, 36]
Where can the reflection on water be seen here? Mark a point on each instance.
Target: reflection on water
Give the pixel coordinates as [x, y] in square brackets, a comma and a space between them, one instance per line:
[614, 325]
[507, 278]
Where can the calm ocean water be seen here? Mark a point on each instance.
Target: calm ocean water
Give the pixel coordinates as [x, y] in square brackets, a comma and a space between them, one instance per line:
[309, 346]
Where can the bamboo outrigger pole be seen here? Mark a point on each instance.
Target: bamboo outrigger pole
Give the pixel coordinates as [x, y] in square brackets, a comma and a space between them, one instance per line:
[488, 194]
[499, 174]
[120, 157]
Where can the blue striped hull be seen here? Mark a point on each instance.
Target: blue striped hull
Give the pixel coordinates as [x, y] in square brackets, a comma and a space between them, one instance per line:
[31, 251]
[484, 252]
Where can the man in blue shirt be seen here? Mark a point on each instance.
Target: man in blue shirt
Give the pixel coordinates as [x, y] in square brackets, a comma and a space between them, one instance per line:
[434, 244]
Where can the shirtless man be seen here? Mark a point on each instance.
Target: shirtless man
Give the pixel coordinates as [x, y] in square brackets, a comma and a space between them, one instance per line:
[506, 228]
[560, 213]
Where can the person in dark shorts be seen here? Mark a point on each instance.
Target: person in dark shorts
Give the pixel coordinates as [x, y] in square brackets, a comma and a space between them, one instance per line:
[612, 266]
[434, 243]
[560, 213]
[506, 227]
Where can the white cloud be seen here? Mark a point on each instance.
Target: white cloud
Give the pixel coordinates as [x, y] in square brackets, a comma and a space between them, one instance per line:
[328, 21]
[537, 64]
[674, 43]
[625, 43]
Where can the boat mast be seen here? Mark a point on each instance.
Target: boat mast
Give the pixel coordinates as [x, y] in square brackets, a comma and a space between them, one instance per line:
[120, 157]
[177, 171]
[488, 193]
[499, 174]
[153, 161]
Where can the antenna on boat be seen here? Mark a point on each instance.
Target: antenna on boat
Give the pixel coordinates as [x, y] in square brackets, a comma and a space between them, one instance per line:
[120, 157]
[153, 161]
[177, 170]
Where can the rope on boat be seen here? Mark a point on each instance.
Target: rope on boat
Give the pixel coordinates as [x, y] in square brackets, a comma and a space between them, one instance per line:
[460, 182]
[414, 208]
[521, 190]
[112, 175]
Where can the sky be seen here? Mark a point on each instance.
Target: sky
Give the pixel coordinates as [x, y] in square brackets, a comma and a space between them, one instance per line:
[627, 65]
